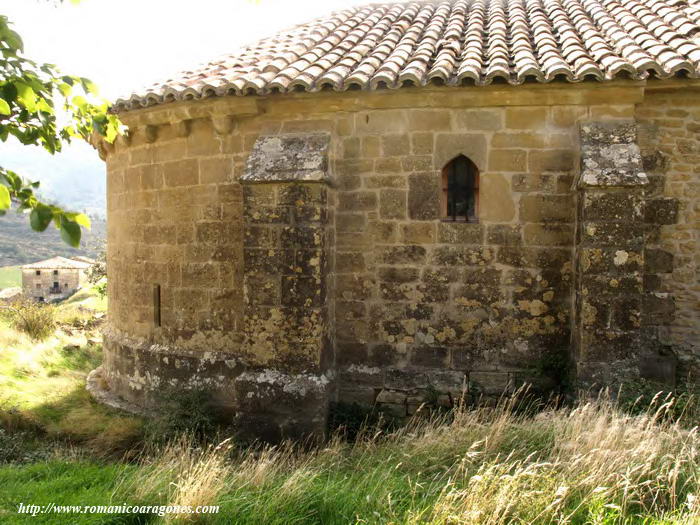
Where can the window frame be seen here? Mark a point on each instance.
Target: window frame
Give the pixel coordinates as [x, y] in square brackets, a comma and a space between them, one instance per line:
[473, 170]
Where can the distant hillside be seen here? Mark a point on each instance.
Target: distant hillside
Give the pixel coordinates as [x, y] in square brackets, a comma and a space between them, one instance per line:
[19, 244]
[74, 179]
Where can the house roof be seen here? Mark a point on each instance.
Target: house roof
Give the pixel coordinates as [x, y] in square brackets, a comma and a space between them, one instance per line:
[82, 258]
[58, 263]
[454, 42]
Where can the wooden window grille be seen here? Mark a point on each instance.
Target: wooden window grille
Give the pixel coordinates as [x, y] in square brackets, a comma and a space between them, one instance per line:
[460, 191]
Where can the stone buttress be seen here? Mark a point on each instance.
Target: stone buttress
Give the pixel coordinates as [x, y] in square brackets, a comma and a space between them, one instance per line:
[613, 342]
[286, 330]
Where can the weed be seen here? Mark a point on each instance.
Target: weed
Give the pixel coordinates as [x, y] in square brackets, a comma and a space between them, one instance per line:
[37, 320]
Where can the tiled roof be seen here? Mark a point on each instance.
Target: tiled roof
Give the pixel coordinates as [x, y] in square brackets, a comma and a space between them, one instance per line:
[58, 263]
[454, 42]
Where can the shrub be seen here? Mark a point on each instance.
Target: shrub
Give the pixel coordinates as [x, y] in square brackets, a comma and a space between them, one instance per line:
[37, 320]
[101, 288]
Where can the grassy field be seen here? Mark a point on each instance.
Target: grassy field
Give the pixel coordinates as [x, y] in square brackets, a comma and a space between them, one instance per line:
[590, 463]
[10, 277]
[42, 383]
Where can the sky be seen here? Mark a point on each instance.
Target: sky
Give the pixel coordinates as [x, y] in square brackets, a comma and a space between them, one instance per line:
[123, 45]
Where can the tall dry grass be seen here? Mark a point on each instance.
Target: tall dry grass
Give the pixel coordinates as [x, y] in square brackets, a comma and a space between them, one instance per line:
[37, 320]
[590, 463]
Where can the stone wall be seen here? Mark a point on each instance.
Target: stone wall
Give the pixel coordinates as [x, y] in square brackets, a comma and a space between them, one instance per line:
[406, 306]
[423, 302]
[175, 221]
[669, 135]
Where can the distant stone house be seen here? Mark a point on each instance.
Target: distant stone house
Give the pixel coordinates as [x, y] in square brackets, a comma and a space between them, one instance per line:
[54, 279]
[454, 196]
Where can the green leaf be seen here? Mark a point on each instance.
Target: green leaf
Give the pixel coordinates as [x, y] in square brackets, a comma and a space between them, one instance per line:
[40, 218]
[26, 96]
[44, 105]
[4, 108]
[12, 40]
[65, 89]
[70, 232]
[5, 200]
[80, 101]
[83, 220]
[90, 86]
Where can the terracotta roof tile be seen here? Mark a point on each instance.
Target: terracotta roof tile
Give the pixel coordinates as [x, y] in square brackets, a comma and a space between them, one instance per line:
[454, 42]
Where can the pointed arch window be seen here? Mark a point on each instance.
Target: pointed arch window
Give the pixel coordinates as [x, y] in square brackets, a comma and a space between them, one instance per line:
[460, 191]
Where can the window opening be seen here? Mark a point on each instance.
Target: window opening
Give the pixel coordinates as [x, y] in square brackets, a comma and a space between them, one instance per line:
[460, 191]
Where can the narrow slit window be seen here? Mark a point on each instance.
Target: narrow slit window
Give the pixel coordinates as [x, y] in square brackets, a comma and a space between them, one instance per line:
[460, 191]
[156, 305]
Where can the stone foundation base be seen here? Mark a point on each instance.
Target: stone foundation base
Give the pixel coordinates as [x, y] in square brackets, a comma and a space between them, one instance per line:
[402, 391]
[260, 403]
[98, 388]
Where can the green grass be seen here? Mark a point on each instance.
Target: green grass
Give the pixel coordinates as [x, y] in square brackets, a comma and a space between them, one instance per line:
[66, 483]
[86, 298]
[10, 277]
[42, 384]
[592, 463]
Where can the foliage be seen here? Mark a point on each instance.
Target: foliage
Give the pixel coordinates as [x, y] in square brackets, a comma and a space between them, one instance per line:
[21, 446]
[37, 320]
[31, 96]
[98, 271]
[555, 365]
[101, 288]
[97, 274]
